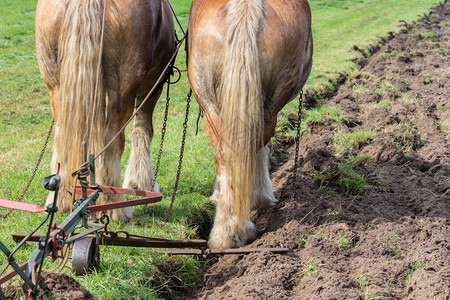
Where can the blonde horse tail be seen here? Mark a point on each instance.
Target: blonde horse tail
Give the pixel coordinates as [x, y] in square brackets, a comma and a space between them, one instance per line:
[78, 57]
[242, 107]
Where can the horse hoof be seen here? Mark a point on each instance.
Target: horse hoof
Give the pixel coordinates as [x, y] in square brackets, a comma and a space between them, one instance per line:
[214, 198]
[156, 188]
[229, 235]
[122, 214]
[251, 231]
[130, 184]
[264, 202]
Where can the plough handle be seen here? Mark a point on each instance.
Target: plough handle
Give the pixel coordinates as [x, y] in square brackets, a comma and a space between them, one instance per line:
[22, 206]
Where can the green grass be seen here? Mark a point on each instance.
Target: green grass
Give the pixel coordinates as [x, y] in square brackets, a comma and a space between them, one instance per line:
[415, 267]
[335, 24]
[343, 178]
[315, 233]
[362, 158]
[364, 282]
[408, 100]
[407, 137]
[25, 117]
[360, 88]
[428, 80]
[321, 113]
[349, 142]
[426, 35]
[385, 87]
[382, 103]
[344, 242]
[312, 267]
[311, 117]
[390, 243]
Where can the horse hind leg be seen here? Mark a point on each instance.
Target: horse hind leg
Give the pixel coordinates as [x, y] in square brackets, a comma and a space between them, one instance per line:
[139, 172]
[109, 174]
[263, 186]
[120, 108]
[228, 231]
[215, 195]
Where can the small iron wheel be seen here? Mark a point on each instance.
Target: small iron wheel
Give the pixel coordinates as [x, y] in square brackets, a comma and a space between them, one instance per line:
[85, 256]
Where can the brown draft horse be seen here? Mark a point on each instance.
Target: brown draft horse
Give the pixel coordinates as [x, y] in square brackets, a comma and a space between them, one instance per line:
[138, 43]
[247, 60]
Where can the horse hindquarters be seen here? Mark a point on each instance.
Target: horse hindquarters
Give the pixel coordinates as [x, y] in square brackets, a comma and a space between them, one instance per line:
[147, 44]
[67, 44]
[139, 171]
[60, 33]
[261, 50]
[233, 110]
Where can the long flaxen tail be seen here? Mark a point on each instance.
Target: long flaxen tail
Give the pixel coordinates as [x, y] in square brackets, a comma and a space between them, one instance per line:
[78, 56]
[241, 99]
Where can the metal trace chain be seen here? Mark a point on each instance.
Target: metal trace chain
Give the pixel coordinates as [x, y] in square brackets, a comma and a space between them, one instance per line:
[163, 134]
[180, 162]
[294, 170]
[297, 138]
[33, 175]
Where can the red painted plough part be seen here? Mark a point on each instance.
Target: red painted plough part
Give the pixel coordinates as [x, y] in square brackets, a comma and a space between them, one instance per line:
[21, 206]
[150, 197]
[85, 252]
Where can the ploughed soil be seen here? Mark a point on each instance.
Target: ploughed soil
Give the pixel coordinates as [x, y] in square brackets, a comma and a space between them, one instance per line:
[371, 219]
[54, 286]
[384, 234]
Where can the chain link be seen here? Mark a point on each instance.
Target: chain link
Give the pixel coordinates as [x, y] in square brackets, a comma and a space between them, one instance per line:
[163, 134]
[33, 175]
[180, 162]
[297, 140]
[294, 169]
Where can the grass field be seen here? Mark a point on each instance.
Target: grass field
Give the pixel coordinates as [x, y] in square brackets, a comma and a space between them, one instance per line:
[25, 117]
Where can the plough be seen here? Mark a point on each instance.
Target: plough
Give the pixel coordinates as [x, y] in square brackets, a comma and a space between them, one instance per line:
[85, 255]
[85, 236]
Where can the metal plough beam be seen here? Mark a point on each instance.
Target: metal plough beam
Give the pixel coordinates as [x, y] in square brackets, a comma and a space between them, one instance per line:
[200, 247]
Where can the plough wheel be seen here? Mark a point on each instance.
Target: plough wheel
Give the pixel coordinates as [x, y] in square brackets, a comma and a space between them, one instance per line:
[85, 256]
